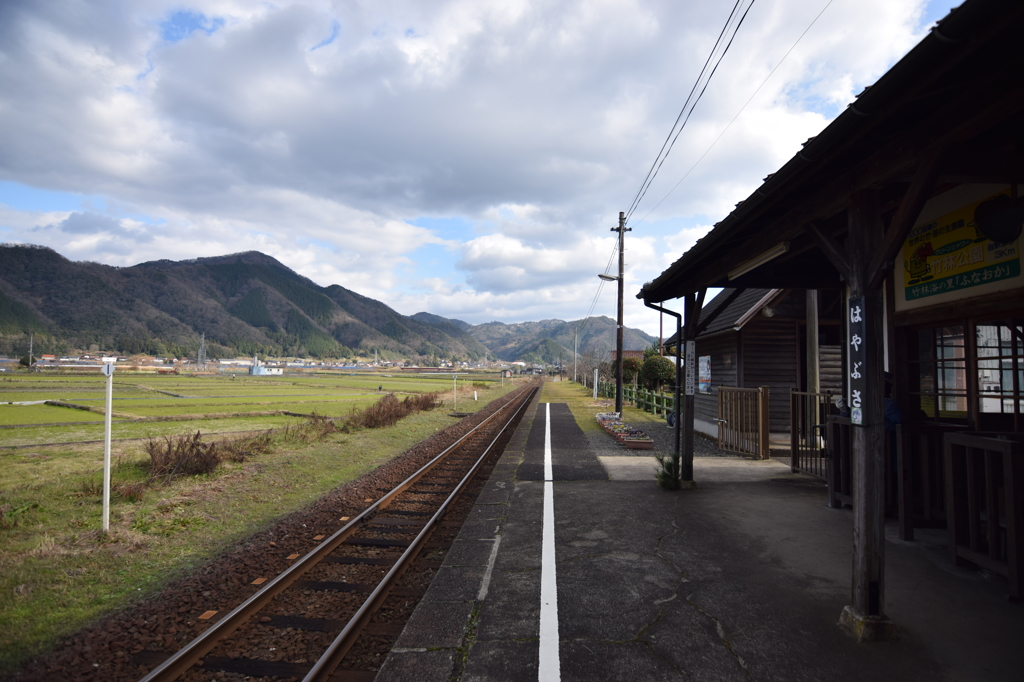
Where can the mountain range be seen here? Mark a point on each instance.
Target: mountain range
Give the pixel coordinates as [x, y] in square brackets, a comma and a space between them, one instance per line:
[249, 303]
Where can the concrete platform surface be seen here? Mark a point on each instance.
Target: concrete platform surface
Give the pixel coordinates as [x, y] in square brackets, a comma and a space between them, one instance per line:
[743, 577]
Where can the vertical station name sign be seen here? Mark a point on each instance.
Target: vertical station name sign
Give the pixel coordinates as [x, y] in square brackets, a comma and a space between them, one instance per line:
[857, 351]
[691, 351]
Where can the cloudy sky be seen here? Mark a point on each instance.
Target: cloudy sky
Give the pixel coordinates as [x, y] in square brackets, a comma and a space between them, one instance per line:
[463, 157]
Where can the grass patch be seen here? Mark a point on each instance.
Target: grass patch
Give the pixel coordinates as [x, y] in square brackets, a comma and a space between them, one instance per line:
[584, 408]
[17, 415]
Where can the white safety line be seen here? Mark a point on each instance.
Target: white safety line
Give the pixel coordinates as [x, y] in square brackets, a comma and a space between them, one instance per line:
[548, 670]
[486, 582]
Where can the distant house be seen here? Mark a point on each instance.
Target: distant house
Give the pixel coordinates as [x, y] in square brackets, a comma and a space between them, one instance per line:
[626, 354]
[260, 370]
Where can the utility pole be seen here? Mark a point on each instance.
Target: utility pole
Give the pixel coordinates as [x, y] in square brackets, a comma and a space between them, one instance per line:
[201, 360]
[622, 230]
[575, 335]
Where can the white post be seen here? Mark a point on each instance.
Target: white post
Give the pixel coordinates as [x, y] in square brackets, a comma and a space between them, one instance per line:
[455, 392]
[108, 371]
[474, 395]
[595, 383]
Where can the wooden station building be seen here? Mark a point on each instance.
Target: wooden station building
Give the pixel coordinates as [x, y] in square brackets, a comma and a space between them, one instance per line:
[908, 204]
[748, 338]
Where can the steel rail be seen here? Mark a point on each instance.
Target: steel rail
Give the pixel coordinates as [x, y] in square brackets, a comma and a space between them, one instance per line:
[332, 657]
[188, 655]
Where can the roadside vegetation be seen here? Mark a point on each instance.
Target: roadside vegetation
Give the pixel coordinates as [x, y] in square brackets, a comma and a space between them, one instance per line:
[182, 491]
[584, 408]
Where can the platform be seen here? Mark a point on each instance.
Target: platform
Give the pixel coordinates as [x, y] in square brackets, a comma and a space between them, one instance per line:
[743, 577]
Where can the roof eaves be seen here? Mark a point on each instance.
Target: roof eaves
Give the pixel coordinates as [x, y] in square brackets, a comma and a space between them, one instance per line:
[755, 308]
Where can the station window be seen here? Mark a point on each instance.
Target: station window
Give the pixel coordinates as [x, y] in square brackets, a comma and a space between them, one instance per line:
[938, 380]
[1000, 346]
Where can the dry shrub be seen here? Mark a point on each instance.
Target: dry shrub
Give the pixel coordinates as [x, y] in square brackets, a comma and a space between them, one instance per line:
[187, 455]
[240, 449]
[314, 429]
[389, 410]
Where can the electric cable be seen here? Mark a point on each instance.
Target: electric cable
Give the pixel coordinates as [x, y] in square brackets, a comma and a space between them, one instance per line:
[702, 82]
[682, 111]
[749, 99]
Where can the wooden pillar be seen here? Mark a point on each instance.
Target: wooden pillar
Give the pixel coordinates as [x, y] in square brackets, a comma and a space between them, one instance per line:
[686, 462]
[813, 354]
[865, 617]
[694, 302]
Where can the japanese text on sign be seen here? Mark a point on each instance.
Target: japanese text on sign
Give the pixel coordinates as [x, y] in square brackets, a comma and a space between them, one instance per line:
[857, 351]
[691, 351]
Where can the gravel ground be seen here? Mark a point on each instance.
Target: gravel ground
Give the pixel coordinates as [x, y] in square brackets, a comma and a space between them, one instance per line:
[108, 650]
[604, 445]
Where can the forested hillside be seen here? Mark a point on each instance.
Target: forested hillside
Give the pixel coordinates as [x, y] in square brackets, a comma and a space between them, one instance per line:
[245, 303]
[249, 303]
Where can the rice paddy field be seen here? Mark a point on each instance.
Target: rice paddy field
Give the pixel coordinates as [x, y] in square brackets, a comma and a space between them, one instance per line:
[58, 572]
[142, 403]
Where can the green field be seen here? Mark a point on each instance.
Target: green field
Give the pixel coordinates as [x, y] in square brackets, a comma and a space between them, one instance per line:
[152, 397]
[58, 572]
[12, 415]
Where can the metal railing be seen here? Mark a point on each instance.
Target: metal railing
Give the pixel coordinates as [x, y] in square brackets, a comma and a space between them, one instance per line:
[743, 424]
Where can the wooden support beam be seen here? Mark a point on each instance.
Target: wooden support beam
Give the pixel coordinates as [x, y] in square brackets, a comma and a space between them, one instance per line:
[713, 315]
[906, 215]
[831, 248]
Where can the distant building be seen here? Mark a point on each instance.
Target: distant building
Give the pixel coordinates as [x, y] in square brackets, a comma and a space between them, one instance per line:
[259, 370]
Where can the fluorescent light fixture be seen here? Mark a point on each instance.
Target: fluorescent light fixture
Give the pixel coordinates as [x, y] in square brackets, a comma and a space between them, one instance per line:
[608, 278]
[758, 261]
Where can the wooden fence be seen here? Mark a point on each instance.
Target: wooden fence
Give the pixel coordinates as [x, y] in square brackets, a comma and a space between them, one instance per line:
[921, 480]
[984, 487]
[807, 413]
[840, 461]
[743, 422]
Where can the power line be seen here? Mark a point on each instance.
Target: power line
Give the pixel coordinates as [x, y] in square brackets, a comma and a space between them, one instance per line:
[732, 26]
[749, 99]
[664, 144]
[600, 287]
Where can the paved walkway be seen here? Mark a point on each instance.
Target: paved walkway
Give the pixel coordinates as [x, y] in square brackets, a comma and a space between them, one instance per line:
[742, 578]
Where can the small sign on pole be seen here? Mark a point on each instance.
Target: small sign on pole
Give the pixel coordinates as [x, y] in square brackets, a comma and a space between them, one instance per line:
[691, 350]
[857, 353]
[108, 371]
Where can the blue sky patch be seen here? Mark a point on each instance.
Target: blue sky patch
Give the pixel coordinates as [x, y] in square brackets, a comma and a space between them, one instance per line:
[335, 29]
[181, 24]
[24, 198]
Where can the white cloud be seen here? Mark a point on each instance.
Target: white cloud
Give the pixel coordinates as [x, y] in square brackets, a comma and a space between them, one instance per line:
[535, 122]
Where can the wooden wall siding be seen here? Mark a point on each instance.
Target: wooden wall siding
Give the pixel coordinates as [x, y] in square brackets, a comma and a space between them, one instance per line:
[724, 363]
[771, 353]
[831, 369]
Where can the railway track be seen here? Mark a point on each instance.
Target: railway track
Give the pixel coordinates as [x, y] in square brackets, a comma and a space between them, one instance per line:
[332, 614]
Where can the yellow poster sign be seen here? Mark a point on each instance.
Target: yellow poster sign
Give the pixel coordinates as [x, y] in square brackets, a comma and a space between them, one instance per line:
[948, 254]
